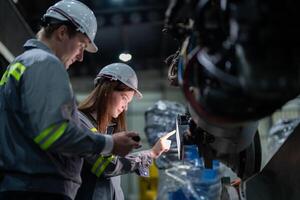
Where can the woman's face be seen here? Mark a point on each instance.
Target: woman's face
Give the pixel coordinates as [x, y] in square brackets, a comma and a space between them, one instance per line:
[119, 102]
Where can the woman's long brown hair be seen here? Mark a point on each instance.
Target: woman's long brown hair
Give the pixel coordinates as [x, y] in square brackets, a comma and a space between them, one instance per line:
[98, 101]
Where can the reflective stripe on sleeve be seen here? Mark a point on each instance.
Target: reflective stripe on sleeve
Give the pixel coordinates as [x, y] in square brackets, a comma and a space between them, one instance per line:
[97, 163]
[103, 167]
[4, 78]
[101, 164]
[48, 136]
[94, 130]
[16, 70]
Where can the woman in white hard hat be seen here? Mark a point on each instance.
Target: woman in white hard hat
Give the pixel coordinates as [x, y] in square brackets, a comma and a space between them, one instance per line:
[104, 111]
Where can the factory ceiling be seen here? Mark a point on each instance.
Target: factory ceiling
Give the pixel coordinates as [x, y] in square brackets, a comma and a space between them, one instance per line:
[131, 26]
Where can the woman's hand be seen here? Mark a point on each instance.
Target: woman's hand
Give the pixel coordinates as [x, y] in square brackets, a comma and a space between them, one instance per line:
[162, 145]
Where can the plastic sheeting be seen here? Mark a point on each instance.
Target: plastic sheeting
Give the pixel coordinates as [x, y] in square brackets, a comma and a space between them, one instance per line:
[179, 179]
[161, 118]
[279, 133]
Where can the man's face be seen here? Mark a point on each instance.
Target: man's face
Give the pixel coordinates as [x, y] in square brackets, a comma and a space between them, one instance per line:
[73, 49]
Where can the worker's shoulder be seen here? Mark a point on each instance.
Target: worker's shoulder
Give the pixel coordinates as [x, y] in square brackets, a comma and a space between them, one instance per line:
[39, 57]
[85, 120]
[83, 117]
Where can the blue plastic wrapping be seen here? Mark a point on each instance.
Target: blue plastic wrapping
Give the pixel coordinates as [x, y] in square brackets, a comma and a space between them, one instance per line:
[161, 118]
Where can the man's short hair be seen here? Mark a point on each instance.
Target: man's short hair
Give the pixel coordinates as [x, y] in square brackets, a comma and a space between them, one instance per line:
[49, 25]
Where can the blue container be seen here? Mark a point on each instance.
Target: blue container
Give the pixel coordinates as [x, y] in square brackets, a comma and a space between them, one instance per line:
[206, 182]
[191, 155]
[177, 195]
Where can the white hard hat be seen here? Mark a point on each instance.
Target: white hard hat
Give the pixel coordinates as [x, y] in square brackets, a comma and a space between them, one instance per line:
[79, 15]
[123, 73]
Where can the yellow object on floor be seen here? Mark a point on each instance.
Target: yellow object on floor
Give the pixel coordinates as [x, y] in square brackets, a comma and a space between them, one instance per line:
[148, 185]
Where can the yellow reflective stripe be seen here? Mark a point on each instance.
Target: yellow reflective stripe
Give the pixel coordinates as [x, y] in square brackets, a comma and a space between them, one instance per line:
[94, 130]
[99, 161]
[4, 78]
[103, 167]
[16, 75]
[44, 142]
[55, 136]
[43, 134]
[96, 164]
[16, 70]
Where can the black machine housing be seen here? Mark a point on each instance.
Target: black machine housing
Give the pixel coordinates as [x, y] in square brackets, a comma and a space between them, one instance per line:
[238, 62]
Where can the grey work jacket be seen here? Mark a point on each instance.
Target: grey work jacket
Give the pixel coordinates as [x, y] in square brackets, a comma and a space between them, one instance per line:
[101, 174]
[41, 143]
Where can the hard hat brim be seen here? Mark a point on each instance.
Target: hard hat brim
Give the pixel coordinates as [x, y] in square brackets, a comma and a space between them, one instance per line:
[92, 48]
[138, 94]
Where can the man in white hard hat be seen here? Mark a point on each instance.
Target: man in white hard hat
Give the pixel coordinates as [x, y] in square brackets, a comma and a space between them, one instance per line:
[41, 140]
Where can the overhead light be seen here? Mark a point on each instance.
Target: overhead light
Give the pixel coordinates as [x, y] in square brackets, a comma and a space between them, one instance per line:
[125, 57]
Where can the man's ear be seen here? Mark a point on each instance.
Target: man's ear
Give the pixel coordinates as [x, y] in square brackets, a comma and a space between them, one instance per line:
[62, 33]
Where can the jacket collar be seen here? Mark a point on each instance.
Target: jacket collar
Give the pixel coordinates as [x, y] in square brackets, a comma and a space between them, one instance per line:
[34, 43]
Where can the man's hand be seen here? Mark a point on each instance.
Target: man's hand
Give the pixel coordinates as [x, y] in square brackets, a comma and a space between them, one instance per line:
[124, 143]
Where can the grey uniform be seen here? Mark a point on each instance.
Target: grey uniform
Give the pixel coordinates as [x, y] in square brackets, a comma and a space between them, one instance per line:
[41, 144]
[100, 174]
